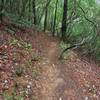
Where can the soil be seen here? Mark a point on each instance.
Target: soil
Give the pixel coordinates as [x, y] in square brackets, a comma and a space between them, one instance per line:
[72, 79]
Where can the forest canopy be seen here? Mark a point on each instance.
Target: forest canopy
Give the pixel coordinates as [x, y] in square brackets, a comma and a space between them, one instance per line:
[72, 20]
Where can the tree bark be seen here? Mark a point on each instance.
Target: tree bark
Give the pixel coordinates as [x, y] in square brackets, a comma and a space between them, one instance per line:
[34, 12]
[29, 17]
[64, 19]
[46, 15]
[1, 10]
[54, 25]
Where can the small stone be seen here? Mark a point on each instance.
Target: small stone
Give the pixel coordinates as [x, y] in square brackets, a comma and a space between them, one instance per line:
[5, 81]
[94, 86]
[53, 65]
[44, 63]
[60, 98]
[26, 76]
[28, 86]
[30, 83]
[26, 92]
[0, 65]
[21, 92]
[94, 95]
[86, 98]
[5, 46]
[16, 64]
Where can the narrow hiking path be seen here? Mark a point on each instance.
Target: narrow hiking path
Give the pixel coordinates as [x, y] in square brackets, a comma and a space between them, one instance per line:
[53, 78]
[75, 79]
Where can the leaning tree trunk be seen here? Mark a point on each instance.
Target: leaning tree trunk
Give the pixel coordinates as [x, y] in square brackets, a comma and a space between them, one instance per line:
[64, 19]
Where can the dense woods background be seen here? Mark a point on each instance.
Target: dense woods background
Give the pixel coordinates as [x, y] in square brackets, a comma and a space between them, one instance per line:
[74, 21]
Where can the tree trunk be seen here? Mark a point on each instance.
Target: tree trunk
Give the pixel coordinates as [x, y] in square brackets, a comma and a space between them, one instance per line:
[29, 17]
[34, 12]
[1, 10]
[45, 21]
[64, 19]
[46, 15]
[54, 25]
[23, 9]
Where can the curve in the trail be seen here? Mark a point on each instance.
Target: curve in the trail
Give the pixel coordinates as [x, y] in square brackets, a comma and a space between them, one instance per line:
[54, 76]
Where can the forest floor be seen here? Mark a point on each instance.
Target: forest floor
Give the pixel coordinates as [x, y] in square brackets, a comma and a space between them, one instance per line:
[37, 74]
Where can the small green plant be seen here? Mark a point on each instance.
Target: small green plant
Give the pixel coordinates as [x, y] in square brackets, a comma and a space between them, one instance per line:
[63, 45]
[35, 72]
[21, 44]
[29, 63]
[7, 97]
[13, 41]
[19, 71]
[27, 46]
[19, 98]
[13, 96]
[34, 98]
[35, 57]
[65, 55]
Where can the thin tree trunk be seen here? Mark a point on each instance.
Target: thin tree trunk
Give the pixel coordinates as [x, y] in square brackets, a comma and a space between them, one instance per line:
[29, 17]
[54, 25]
[46, 15]
[23, 9]
[64, 19]
[1, 10]
[34, 12]
[45, 21]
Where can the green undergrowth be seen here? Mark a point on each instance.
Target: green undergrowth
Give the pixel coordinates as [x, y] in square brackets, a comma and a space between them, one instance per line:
[63, 46]
[24, 49]
[27, 50]
[20, 44]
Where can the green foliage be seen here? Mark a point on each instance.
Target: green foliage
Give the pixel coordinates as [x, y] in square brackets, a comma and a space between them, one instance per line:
[35, 57]
[7, 97]
[13, 96]
[66, 54]
[21, 44]
[35, 72]
[80, 15]
[64, 45]
[27, 46]
[19, 71]
[13, 42]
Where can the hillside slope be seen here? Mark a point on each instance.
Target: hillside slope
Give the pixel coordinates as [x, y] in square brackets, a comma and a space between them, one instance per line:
[72, 79]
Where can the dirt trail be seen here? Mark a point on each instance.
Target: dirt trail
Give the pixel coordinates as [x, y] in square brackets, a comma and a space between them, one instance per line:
[75, 79]
[53, 79]
[49, 78]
